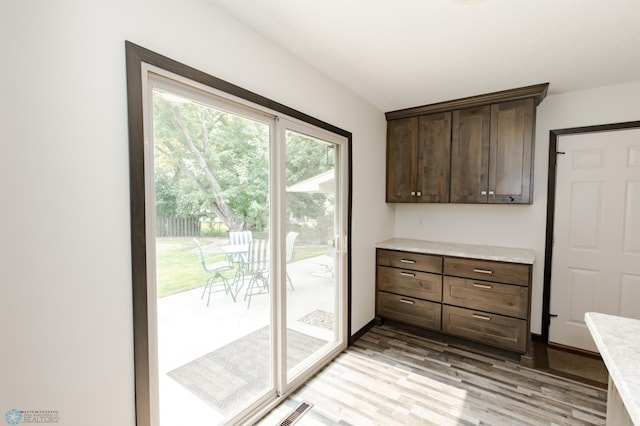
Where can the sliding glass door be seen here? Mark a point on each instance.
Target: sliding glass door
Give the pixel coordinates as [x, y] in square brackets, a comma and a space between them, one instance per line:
[245, 250]
[313, 207]
[212, 238]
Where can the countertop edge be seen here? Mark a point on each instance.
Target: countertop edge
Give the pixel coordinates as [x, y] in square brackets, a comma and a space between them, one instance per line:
[609, 358]
[482, 252]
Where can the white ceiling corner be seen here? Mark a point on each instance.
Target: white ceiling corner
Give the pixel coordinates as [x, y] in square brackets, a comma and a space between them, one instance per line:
[404, 53]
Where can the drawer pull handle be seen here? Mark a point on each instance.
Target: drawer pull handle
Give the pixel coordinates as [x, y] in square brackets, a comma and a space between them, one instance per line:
[407, 274]
[483, 286]
[407, 261]
[481, 317]
[409, 302]
[483, 271]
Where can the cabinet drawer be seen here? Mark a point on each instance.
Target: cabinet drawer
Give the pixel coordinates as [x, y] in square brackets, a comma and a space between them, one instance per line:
[505, 299]
[412, 261]
[513, 273]
[417, 284]
[490, 329]
[409, 310]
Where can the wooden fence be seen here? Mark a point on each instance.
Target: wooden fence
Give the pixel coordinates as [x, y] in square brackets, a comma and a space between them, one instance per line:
[172, 226]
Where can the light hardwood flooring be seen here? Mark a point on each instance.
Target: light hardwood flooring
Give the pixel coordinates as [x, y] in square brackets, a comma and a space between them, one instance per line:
[394, 377]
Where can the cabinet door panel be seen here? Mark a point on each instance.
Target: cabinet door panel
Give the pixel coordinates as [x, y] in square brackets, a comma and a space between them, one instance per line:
[402, 138]
[434, 158]
[408, 260]
[504, 299]
[491, 329]
[511, 152]
[470, 140]
[488, 270]
[411, 283]
[409, 310]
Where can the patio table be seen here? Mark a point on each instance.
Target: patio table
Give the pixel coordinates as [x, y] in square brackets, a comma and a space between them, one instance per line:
[237, 255]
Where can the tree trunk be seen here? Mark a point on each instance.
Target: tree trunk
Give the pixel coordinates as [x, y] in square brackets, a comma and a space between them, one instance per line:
[219, 206]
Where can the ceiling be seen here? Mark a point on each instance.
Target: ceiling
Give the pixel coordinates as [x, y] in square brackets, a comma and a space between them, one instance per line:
[403, 53]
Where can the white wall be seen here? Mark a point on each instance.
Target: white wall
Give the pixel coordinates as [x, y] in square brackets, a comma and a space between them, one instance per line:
[523, 226]
[65, 301]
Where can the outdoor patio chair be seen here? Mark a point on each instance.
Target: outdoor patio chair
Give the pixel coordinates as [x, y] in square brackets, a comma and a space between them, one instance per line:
[215, 279]
[239, 239]
[257, 269]
[291, 240]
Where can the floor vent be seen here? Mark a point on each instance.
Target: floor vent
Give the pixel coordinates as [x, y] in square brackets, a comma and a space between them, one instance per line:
[295, 415]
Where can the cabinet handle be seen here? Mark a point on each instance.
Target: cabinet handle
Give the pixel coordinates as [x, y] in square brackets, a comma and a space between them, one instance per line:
[407, 261]
[483, 192]
[483, 286]
[419, 194]
[413, 192]
[492, 193]
[481, 317]
[483, 271]
[408, 302]
[407, 274]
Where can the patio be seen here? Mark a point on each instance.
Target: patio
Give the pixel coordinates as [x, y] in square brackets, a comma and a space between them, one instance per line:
[189, 329]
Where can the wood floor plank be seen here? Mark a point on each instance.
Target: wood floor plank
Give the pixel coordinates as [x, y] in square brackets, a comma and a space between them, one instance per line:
[392, 377]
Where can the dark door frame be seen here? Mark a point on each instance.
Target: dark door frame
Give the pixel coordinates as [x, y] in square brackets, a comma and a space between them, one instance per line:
[551, 201]
[135, 57]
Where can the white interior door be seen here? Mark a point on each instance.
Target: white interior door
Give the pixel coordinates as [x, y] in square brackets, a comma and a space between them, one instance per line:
[596, 252]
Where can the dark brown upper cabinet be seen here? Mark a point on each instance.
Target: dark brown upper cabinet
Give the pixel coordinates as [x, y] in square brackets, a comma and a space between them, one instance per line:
[418, 159]
[402, 142]
[470, 155]
[511, 152]
[471, 150]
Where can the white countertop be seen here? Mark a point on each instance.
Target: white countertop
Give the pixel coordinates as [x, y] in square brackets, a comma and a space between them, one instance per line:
[618, 340]
[500, 254]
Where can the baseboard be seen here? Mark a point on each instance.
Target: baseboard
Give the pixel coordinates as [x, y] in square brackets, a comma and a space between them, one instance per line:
[575, 351]
[352, 339]
[358, 334]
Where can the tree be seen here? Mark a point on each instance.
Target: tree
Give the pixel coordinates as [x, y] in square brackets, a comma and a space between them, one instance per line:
[210, 162]
[306, 157]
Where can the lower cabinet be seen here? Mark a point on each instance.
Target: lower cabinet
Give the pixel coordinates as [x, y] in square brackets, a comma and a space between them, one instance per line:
[480, 300]
[421, 313]
[417, 284]
[503, 299]
[491, 329]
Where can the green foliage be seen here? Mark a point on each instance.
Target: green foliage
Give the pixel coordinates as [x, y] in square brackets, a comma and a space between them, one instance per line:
[213, 229]
[179, 269]
[210, 163]
[308, 157]
[178, 266]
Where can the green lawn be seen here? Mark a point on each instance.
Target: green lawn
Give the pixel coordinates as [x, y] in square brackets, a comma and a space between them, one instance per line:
[179, 267]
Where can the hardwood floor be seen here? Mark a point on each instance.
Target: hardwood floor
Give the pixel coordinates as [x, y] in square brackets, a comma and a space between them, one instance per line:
[393, 377]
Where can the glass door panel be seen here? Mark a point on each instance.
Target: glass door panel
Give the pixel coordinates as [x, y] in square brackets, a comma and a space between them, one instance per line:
[211, 184]
[244, 262]
[312, 287]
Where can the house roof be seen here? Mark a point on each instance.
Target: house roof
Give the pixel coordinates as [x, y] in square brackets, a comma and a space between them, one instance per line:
[321, 183]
